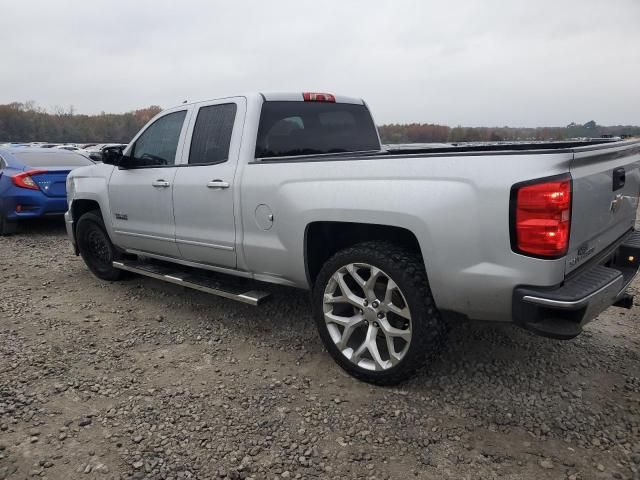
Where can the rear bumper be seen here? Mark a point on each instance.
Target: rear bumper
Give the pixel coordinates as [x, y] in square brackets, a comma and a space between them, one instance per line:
[32, 204]
[562, 311]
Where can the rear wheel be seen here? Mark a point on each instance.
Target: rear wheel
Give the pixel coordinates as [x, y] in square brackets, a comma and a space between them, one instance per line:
[375, 312]
[7, 227]
[96, 248]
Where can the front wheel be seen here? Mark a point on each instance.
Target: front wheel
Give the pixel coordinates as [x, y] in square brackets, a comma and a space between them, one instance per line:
[375, 313]
[96, 248]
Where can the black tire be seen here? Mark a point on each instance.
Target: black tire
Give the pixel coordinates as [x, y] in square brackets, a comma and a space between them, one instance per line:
[96, 248]
[7, 227]
[406, 269]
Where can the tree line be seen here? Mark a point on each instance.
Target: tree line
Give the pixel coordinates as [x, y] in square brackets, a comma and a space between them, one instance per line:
[426, 132]
[27, 122]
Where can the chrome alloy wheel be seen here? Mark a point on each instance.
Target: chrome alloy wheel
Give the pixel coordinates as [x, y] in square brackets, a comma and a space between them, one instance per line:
[367, 316]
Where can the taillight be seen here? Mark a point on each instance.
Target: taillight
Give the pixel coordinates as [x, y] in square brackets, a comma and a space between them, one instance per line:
[541, 217]
[24, 180]
[318, 97]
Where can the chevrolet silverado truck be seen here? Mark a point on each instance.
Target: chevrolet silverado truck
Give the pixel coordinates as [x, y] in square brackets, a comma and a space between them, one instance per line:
[229, 195]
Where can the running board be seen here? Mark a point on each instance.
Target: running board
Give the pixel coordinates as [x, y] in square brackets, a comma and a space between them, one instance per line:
[216, 284]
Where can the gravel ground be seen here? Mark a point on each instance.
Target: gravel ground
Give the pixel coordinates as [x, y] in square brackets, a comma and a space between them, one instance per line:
[139, 379]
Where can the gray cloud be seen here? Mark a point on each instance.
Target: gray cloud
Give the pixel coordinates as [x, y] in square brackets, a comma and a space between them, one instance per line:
[470, 62]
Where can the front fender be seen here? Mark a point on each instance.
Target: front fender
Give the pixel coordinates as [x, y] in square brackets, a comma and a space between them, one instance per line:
[91, 183]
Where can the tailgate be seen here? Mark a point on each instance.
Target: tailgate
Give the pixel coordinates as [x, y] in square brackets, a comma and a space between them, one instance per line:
[52, 183]
[606, 185]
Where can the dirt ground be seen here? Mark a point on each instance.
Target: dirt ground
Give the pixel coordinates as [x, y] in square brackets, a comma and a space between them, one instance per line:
[140, 379]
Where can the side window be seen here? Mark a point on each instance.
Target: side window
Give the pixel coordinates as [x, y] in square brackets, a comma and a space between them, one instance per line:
[158, 144]
[2, 163]
[212, 134]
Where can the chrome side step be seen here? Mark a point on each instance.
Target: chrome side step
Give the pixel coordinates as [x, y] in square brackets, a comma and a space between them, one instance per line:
[223, 286]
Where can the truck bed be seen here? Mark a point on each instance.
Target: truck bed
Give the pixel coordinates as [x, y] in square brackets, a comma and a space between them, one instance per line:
[495, 146]
[460, 149]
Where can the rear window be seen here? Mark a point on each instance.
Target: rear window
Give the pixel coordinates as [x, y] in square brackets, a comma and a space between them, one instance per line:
[309, 128]
[50, 158]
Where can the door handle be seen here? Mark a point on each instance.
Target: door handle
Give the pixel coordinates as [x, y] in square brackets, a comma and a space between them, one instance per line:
[618, 178]
[160, 183]
[217, 184]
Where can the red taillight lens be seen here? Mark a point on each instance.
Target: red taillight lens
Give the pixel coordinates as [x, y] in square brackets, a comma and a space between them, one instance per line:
[542, 218]
[318, 97]
[24, 180]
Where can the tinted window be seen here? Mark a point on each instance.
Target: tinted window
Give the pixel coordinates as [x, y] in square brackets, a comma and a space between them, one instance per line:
[158, 144]
[307, 128]
[52, 158]
[212, 134]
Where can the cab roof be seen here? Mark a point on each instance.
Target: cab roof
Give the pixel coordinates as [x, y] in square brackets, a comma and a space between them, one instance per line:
[300, 96]
[281, 97]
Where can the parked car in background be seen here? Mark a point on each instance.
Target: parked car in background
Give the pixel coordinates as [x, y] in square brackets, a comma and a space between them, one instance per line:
[74, 148]
[95, 152]
[69, 147]
[33, 183]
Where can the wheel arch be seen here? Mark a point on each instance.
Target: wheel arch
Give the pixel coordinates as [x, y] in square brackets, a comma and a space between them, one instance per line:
[81, 206]
[322, 239]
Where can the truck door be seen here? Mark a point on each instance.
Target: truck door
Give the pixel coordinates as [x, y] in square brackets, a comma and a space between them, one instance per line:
[203, 196]
[140, 195]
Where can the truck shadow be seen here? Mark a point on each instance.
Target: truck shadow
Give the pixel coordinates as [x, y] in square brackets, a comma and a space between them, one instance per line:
[489, 378]
[501, 362]
[498, 355]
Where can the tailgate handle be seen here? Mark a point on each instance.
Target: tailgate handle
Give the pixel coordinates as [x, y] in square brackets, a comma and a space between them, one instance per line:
[618, 178]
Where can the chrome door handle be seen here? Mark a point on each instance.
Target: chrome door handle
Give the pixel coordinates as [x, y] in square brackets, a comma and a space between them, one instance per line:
[160, 183]
[217, 184]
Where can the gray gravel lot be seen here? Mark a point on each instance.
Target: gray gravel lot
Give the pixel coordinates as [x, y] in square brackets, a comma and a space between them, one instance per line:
[139, 379]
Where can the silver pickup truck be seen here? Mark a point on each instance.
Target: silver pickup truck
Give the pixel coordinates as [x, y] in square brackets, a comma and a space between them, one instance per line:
[294, 189]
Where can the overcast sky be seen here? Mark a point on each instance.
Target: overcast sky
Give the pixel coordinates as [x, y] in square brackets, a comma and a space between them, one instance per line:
[468, 62]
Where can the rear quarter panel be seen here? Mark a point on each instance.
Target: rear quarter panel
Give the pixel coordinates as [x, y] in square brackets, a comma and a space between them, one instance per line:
[456, 206]
[6, 185]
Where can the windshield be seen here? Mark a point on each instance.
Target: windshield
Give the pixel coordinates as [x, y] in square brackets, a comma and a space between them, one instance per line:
[309, 128]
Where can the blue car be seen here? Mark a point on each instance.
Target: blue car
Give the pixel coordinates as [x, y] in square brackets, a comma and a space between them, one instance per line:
[33, 183]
